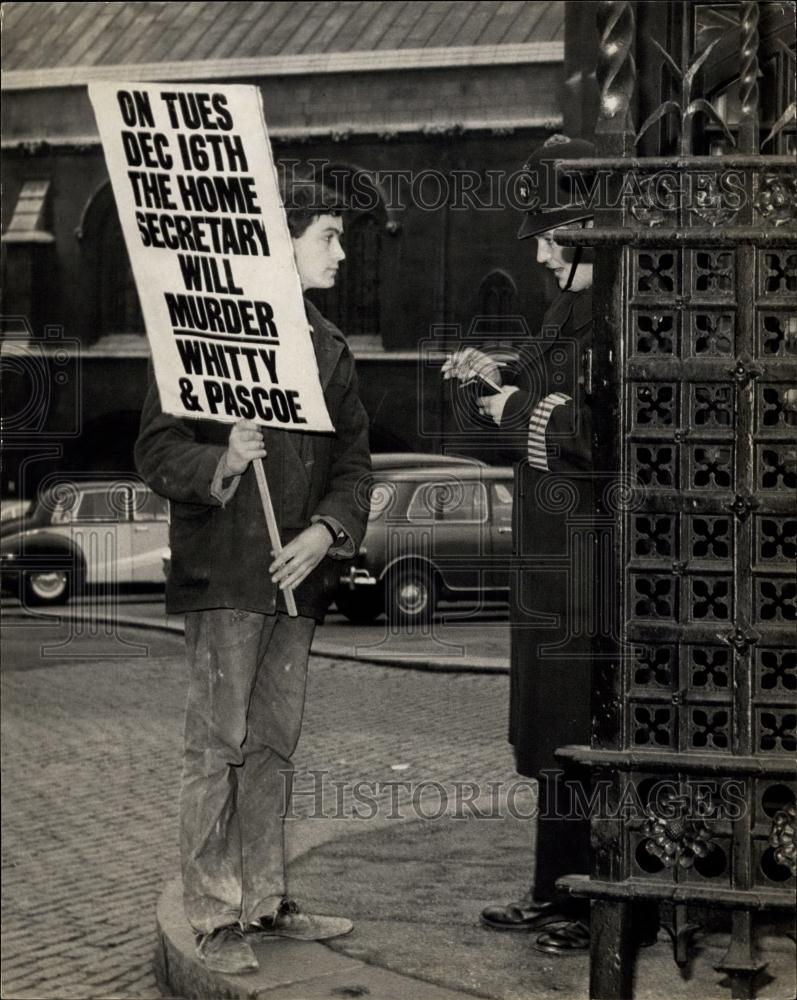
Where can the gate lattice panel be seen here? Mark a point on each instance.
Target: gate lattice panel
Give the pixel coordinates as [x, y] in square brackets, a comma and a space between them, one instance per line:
[695, 728]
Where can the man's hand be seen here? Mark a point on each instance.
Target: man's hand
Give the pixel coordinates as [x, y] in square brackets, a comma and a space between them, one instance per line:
[245, 445]
[469, 364]
[300, 556]
[493, 406]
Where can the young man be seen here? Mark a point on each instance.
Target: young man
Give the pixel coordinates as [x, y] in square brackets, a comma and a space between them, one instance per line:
[247, 658]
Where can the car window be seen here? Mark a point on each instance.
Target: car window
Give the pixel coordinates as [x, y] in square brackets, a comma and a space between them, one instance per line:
[150, 507]
[502, 496]
[99, 505]
[63, 508]
[449, 501]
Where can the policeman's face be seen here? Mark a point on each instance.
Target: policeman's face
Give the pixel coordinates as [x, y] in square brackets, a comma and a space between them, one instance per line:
[318, 252]
[554, 256]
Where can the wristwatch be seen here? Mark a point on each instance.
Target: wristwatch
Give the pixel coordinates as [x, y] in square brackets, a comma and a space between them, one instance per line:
[337, 535]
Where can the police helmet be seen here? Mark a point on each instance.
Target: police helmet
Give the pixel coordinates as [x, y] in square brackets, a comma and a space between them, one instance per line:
[552, 197]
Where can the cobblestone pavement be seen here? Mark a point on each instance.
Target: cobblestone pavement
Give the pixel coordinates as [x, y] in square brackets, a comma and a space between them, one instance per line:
[90, 770]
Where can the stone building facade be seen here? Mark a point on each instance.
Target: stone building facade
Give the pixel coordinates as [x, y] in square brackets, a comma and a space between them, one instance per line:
[426, 108]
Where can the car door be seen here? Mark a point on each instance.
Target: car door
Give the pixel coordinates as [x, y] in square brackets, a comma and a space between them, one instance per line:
[500, 533]
[451, 514]
[101, 529]
[150, 537]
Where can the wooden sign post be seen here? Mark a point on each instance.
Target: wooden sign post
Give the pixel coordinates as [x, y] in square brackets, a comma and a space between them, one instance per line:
[271, 524]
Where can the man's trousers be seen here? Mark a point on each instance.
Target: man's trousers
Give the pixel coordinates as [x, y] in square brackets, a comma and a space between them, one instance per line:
[246, 693]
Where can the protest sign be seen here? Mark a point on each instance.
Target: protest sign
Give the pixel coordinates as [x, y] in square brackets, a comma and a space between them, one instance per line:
[195, 186]
[198, 200]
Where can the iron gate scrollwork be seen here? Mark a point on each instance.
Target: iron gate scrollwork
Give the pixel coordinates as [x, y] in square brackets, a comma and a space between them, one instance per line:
[696, 365]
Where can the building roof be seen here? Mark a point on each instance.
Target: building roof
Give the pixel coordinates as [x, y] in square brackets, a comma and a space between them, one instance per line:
[50, 35]
[324, 68]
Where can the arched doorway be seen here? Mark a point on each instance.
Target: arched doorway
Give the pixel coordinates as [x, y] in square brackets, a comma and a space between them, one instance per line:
[109, 279]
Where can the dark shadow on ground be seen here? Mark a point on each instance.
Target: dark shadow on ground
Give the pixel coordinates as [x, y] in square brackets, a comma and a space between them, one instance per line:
[415, 890]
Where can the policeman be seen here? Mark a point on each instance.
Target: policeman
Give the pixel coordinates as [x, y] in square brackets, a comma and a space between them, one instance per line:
[544, 418]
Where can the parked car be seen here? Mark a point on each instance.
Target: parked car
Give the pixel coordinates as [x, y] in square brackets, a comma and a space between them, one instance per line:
[81, 533]
[437, 531]
[13, 509]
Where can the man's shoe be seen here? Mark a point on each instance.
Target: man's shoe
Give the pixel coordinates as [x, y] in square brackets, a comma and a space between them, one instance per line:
[226, 950]
[523, 915]
[290, 922]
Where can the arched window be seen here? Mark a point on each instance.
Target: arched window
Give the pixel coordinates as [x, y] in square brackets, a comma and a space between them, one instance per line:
[353, 304]
[498, 296]
[109, 283]
[119, 308]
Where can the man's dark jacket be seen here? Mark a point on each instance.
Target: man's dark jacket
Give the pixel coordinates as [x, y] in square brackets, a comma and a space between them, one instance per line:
[220, 554]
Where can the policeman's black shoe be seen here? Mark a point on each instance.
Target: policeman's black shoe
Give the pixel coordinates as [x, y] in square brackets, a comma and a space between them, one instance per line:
[563, 938]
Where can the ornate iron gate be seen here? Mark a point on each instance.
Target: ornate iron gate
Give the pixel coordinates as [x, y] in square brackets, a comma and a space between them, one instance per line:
[695, 361]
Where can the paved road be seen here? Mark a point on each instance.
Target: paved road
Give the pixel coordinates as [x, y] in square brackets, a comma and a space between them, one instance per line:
[91, 732]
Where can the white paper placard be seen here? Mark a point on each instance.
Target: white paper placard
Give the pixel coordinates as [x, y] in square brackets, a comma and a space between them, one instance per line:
[198, 199]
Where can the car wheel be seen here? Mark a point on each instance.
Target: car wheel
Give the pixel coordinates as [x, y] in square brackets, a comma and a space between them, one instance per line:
[359, 605]
[47, 587]
[410, 595]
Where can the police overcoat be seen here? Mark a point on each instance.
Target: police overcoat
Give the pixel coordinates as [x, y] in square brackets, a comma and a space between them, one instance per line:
[548, 422]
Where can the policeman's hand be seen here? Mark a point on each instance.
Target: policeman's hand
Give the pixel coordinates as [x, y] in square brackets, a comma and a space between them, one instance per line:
[245, 445]
[493, 406]
[300, 556]
[470, 363]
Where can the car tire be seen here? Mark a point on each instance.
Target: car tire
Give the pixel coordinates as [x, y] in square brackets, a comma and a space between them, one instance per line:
[410, 595]
[359, 606]
[47, 587]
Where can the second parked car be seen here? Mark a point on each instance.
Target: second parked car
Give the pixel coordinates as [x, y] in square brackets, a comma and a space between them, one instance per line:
[435, 532]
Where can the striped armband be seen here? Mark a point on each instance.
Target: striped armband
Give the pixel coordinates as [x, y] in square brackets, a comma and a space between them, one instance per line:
[538, 425]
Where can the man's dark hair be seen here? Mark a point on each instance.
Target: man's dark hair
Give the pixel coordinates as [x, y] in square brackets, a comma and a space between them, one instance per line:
[305, 200]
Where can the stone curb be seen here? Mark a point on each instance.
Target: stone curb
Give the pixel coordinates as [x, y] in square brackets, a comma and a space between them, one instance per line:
[410, 661]
[289, 970]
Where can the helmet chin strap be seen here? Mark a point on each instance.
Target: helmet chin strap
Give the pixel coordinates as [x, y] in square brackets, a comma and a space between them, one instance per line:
[576, 261]
[573, 266]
